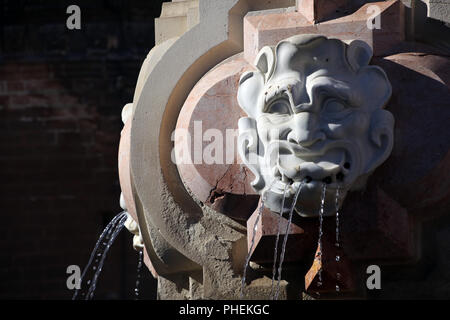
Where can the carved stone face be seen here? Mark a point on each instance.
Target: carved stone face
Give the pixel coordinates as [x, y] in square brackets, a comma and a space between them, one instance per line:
[315, 117]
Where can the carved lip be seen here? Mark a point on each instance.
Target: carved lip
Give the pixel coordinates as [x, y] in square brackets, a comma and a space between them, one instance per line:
[333, 162]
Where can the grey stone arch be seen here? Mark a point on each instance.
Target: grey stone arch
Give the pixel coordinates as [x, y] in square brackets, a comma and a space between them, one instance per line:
[184, 241]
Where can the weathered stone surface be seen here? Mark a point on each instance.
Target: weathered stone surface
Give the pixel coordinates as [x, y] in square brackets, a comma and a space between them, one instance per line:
[261, 289]
[176, 18]
[439, 10]
[177, 8]
[175, 287]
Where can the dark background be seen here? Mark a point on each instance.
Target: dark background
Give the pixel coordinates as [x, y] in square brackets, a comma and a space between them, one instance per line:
[61, 96]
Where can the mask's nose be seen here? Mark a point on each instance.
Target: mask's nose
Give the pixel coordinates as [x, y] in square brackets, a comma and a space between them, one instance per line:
[305, 129]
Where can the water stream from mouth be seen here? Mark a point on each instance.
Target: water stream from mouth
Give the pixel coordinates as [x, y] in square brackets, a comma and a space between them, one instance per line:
[275, 255]
[119, 226]
[99, 249]
[338, 245]
[286, 235]
[319, 241]
[138, 275]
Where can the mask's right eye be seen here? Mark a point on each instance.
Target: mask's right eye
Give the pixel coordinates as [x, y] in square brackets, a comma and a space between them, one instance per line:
[280, 106]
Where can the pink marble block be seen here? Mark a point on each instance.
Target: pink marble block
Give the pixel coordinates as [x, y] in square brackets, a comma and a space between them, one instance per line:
[268, 28]
[336, 277]
[212, 105]
[263, 236]
[318, 10]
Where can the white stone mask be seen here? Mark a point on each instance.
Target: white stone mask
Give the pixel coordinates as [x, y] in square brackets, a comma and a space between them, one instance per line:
[315, 117]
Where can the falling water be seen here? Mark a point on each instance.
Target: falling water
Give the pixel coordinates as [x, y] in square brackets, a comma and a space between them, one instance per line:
[275, 256]
[115, 233]
[286, 234]
[337, 217]
[138, 275]
[105, 240]
[338, 258]
[319, 242]
[98, 249]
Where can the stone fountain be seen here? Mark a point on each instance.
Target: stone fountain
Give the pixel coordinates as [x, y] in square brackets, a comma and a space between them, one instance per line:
[246, 110]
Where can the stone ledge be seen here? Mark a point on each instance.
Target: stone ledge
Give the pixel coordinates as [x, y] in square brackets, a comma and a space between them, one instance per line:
[268, 28]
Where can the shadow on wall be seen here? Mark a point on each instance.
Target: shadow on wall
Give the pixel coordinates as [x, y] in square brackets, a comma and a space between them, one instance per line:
[416, 175]
[429, 30]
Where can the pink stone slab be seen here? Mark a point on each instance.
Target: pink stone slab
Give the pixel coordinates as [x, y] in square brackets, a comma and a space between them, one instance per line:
[346, 281]
[268, 28]
[264, 237]
[213, 101]
[317, 10]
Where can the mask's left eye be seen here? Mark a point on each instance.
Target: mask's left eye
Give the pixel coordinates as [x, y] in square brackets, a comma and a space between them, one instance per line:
[334, 109]
[280, 106]
[333, 106]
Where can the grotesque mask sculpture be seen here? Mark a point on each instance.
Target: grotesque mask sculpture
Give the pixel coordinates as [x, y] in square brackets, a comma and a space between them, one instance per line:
[315, 119]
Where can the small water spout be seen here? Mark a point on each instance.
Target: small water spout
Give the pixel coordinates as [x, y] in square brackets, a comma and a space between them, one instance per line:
[337, 217]
[338, 245]
[138, 275]
[100, 250]
[286, 234]
[275, 255]
[115, 233]
[319, 241]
